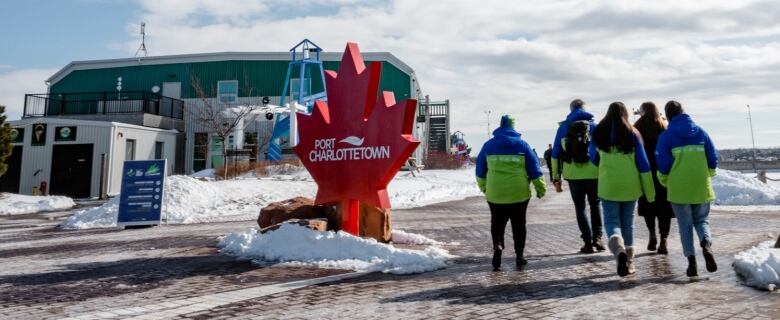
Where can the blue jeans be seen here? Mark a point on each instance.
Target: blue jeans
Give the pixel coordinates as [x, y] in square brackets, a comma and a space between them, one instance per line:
[690, 216]
[582, 190]
[619, 219]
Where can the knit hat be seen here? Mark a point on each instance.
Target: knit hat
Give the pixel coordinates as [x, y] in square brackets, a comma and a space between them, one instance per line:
[507, 122]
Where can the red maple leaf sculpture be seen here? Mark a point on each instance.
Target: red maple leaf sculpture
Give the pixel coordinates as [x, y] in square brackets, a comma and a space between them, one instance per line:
[356, 142]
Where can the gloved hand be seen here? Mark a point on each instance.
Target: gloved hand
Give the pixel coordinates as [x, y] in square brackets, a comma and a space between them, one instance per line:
[482, 184]
[540, 186]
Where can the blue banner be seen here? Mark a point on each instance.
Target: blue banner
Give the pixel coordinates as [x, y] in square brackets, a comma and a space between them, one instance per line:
[140, 202]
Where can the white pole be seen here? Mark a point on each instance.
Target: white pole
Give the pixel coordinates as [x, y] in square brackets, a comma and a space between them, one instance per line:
[752, 137]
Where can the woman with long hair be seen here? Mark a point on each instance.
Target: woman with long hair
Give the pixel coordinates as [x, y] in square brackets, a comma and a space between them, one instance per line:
[624, 176]
[650, 125]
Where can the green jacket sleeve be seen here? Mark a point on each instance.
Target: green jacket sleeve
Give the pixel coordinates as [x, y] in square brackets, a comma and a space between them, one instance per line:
[540, 186]
[648, 187]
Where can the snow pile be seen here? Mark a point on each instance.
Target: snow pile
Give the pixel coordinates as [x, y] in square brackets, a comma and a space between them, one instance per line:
[432, 186]
[185, 200]
[338, 250]
[12, 204]
[734, 188]
[759, 266]
[403, 237]
[206, 174]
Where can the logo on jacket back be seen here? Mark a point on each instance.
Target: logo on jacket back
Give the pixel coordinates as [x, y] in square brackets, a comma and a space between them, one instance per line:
[328, 150]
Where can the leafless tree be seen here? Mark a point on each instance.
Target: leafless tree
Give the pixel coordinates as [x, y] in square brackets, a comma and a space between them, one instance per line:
[220, 118]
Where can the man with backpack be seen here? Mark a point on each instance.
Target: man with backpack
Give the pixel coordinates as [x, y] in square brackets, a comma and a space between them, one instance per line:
[570, 160]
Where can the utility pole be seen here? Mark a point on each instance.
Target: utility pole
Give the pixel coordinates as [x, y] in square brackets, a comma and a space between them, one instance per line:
[487, 115]
[752, 137]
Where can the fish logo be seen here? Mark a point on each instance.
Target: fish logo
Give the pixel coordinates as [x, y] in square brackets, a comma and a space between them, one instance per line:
[353, 140]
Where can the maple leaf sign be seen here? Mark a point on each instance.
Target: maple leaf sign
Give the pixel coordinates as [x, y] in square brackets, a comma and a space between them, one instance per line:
[355, 143]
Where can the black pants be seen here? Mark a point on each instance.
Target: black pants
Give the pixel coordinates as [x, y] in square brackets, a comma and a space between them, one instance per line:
[549, 167]
[661, 209]
[580, 190]
[499, 215]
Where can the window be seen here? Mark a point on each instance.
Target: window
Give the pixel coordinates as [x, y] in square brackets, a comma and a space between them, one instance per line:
[159, 146]
[217, 160]
[201, 151]
[227, 91]
[129, 149]
[250, 142]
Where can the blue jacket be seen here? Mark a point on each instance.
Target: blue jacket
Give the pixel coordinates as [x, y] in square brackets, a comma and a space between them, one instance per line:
[687, 160]
[572, 171]
[506, 166]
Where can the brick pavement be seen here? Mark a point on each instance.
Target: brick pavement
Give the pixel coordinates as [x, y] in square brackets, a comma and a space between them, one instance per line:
[46, 273]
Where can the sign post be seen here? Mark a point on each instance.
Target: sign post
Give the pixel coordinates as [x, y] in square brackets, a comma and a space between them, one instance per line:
[355, 143]
[143, 184]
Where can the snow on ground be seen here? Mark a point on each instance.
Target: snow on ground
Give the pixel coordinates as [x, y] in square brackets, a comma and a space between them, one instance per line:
[734, 188]
[296, 245]
[11, 204]
[760, 266]
[403, 237]
[206, 174]
[189, 200]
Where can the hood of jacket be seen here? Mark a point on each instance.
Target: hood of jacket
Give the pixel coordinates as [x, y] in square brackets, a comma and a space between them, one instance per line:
[506, 137]
[682, 126]
[579, 114]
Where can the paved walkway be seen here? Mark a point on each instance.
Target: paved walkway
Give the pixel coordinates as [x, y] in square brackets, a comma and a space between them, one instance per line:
[175, 272]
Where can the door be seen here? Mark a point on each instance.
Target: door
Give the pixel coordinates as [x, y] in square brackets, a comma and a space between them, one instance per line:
[171, 89]
[9, 182]
[71, 170]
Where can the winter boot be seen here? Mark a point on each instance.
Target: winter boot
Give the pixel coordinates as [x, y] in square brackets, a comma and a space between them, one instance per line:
[662, 247]
[630, 260]
[652, 243]
[619, 250]
[520, 262]
[496, 259]
[587, 247]
[691, 272]
[598, 244]
[709, 259]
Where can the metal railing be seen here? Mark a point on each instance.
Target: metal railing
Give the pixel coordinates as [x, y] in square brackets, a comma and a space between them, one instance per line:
[39, 105]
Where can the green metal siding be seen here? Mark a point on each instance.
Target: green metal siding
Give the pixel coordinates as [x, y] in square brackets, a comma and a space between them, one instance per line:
[262, 78]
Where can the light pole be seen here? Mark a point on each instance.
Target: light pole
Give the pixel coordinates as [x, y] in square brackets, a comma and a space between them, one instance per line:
[487, 115]
[752, 137]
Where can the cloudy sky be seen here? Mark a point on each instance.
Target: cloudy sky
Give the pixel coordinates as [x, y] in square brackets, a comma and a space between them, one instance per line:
[525, 58]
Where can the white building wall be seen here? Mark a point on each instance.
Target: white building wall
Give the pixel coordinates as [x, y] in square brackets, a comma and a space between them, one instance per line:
[106, 138]
[37, 160]
[144, 150]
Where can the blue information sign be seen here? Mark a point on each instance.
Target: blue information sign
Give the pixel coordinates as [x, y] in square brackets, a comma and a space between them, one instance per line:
[140, 201]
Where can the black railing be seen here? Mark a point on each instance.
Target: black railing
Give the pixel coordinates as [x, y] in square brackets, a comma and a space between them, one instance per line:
[39, 105]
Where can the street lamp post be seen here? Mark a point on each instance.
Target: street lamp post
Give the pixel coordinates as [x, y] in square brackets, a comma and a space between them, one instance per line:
[752, 137]
[487, 115]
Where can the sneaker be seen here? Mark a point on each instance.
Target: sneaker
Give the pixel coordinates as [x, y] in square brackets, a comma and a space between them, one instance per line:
[587, 249]
[709, 258]
[496, 259]
[691, 271]
[598, 244]
[662, 247]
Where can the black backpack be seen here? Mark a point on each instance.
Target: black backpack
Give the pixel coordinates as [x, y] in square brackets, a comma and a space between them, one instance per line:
[577, 141]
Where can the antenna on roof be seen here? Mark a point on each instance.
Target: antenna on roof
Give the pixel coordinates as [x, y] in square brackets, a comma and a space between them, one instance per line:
[143, 41]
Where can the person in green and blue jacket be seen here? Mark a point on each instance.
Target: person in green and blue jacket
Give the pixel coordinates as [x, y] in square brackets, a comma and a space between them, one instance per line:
[624, 176]
[687, 161]
[581, 176]
[506, 166]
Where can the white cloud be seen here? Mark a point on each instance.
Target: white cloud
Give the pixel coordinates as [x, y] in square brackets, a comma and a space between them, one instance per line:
[16, 83]
[525, 58]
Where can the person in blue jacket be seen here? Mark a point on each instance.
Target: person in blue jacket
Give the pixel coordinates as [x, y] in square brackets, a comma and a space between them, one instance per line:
[506, 167]
[570, 161]
[687, 161]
